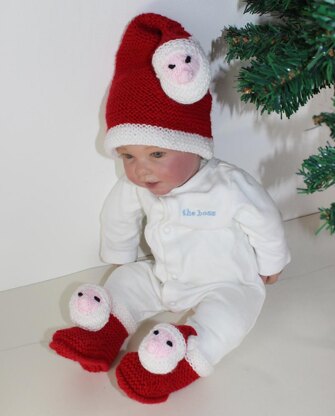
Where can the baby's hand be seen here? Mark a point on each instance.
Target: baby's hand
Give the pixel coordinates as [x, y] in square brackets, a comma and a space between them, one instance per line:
[270, 280]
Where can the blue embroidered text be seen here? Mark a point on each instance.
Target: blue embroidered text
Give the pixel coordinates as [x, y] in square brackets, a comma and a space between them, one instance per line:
[198, 213]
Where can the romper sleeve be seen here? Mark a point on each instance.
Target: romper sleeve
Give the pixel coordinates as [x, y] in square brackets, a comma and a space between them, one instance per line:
[260, 219]
[121, 224]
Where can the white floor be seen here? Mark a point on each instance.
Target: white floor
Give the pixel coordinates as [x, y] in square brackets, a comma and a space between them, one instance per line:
[285, 367]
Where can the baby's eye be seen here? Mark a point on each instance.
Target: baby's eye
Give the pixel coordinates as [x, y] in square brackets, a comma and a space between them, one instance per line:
[126, 156]
[157, 155]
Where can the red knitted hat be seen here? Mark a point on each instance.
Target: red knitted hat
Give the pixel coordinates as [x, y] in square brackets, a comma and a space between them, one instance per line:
[159, 94]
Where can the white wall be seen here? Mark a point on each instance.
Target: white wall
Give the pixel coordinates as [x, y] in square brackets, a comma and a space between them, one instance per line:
[56, 64]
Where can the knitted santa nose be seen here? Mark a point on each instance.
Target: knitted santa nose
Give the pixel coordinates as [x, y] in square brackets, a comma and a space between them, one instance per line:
[159, 94]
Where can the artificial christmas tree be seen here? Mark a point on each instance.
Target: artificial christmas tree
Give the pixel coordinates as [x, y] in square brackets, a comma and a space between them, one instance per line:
[291, 58]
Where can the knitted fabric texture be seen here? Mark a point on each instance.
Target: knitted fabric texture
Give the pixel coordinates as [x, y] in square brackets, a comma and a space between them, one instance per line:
[148, 387]
[145, 387]
[138, 94]
[94, 350]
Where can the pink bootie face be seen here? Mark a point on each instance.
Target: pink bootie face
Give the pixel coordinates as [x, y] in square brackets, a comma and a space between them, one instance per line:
[88, 301]
[161, 344]
[162, 349]
[181, 68]
[90, 307]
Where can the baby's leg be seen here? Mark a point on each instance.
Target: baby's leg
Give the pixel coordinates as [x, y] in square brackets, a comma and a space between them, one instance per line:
[224, 318]
[106, 316]
[136, 292]
[172, 357]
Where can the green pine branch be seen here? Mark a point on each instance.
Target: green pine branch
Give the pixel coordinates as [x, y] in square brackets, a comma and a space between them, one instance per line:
[319, 174]
[322, 12]
[327, 215]
[328, 119]
[255, 41]
[290, 61]
[287, 63]
[281, 7]
[283, 85]
[318, 170]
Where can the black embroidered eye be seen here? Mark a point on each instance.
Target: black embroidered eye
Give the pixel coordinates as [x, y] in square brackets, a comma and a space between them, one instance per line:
[188, 59]
[172, 66]
[156, 332]
[80, 294]
[96, 298]
[169, 343]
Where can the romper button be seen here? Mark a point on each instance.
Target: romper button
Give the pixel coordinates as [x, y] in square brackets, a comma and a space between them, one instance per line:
[172, 303]
[174, 276]
[166, 230]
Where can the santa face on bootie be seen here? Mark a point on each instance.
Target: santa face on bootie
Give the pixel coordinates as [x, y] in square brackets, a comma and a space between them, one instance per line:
[160, 367]
[99, 334]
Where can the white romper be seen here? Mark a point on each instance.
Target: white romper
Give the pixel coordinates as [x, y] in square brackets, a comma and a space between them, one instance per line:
[210, 239]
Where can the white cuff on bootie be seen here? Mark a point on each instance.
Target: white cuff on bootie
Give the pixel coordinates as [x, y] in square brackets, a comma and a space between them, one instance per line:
[196, 359]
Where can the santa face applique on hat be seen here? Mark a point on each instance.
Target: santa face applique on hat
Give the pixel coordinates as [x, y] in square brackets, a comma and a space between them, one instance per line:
[159, 94]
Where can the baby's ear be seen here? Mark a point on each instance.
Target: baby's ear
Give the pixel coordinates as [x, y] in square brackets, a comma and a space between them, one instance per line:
[183, 70]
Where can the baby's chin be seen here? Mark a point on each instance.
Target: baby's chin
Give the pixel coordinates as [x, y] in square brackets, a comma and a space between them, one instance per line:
[157, 188]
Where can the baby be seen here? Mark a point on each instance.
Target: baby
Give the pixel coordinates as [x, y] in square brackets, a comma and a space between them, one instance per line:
[215, 234]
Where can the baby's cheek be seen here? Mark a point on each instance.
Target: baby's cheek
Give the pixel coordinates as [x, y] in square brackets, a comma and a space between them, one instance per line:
[130, 173]
[181, 169]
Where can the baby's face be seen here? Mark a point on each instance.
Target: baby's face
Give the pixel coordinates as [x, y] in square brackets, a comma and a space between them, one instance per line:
[157, 169]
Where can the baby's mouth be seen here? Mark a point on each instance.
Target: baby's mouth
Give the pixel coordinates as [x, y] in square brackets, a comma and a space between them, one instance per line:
[151, 184]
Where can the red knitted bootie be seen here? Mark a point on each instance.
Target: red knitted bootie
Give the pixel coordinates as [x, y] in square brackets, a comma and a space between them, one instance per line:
[98, 338]
[160, 367]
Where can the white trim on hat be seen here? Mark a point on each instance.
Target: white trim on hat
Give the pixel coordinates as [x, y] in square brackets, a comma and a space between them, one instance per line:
[143, 134]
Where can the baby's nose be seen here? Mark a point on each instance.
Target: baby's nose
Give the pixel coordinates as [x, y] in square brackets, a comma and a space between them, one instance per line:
[142, 169]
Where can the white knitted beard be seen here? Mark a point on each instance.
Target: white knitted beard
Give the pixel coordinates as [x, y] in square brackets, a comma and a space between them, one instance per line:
[157, 365]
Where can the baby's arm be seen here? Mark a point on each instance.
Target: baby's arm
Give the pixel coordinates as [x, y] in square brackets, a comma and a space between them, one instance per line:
[121, 224]
[260, 219]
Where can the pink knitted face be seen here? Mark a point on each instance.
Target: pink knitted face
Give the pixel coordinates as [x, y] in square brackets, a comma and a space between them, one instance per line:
[88, 301]
[157, 169]
[180, 68]
[161, 344]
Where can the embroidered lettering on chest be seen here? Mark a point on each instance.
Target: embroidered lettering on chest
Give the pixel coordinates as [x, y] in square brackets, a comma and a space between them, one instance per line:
[187, 212]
